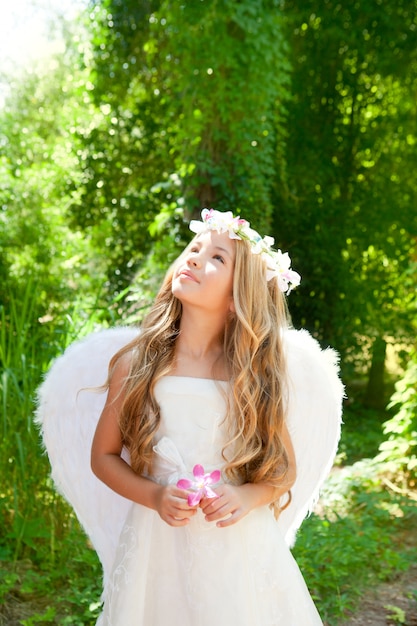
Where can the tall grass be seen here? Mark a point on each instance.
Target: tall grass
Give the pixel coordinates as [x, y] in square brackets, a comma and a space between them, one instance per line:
[43, 552]
[24, 353]
[32, 515]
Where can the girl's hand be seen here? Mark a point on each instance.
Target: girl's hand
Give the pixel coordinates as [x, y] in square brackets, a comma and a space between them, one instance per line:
[234, 502]
[172, 506]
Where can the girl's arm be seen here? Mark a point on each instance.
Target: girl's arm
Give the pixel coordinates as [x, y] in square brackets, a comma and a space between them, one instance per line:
[234, 502]
[170, 502]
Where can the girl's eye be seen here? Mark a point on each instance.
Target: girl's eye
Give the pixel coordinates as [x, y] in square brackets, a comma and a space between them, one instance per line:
[219, 257]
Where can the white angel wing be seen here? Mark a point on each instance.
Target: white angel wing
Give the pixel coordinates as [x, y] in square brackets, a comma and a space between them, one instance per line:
[314, 420]
[68, 411]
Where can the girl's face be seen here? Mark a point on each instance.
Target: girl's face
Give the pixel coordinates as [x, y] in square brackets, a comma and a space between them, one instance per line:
[204, 273]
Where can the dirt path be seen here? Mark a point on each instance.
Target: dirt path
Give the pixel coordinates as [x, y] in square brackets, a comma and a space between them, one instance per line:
[390, 603]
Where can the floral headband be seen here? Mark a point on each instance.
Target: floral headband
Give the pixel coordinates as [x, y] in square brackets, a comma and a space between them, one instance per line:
[278, 263]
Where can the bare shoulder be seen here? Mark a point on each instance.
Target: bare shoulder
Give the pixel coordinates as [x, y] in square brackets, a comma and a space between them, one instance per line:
[122, 366]
[118, 376]
[107, 437]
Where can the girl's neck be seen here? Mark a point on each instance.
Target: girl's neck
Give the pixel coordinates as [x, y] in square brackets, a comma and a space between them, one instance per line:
[199, 350]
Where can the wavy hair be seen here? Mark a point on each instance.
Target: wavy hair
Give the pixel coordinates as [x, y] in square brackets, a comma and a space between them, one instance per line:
[255, 359]
[253, 347]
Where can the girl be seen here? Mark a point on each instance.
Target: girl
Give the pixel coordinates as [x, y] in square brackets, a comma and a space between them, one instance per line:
[205, 434]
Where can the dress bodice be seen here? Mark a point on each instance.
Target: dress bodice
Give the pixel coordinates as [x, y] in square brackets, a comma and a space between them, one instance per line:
[193, 413]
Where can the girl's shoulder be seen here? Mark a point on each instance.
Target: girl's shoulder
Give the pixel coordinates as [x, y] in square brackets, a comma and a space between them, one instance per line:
[124, 361]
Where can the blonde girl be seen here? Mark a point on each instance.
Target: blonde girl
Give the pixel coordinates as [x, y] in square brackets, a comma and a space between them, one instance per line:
[195, 435]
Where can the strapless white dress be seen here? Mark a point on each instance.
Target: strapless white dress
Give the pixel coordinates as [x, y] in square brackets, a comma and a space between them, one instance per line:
[201, 575]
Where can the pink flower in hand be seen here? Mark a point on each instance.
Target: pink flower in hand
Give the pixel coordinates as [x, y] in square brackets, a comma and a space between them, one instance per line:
[201, 485]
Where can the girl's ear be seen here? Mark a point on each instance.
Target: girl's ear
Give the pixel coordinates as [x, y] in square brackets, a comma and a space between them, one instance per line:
[232, 306]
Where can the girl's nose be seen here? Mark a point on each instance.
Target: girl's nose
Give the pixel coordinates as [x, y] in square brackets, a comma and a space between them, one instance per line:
[194, 261]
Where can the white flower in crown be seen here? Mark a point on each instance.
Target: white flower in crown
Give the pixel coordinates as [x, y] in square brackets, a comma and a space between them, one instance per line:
[259, 245]
[216, 220]
[278, 263]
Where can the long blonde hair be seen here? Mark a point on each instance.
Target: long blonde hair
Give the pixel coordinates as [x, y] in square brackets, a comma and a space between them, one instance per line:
[254, 355]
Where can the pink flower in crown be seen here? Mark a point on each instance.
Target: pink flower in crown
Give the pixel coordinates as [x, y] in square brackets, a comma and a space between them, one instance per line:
[222, 222]
[279, 265]
[201, 485]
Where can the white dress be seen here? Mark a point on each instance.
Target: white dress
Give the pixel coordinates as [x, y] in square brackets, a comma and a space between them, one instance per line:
[198, 575]
[201, 575]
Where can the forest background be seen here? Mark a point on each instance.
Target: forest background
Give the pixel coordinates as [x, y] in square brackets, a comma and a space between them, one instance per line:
[301, 117]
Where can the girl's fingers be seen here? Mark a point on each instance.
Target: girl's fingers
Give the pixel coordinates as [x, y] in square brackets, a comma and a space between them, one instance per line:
[174, 521]
[214, 508]
[182, 494]
[178, 517]
[173, 506]
[222, 511]
[208, 505]
[233, 519]
[227, 509]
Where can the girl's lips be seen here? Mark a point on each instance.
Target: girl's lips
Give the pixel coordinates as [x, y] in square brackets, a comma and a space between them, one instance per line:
[188, 274]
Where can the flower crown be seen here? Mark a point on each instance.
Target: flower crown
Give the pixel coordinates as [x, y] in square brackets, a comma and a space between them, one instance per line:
[278, 263]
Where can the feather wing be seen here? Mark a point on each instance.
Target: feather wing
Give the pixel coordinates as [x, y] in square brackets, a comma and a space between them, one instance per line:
[315, 397]
[67, 413]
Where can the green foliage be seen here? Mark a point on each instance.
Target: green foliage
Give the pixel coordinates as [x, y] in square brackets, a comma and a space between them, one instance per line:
[348, 206]
[398, 453]
[361, 433]
[30, 511]
[40, 124]
[296, 116]
[194, 116]
[356, 537]
[64, 591]
[351, 544]
[395, 614]
[227, 70]
[22, 350]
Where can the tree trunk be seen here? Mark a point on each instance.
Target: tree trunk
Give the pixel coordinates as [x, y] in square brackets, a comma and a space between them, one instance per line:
[375, 390]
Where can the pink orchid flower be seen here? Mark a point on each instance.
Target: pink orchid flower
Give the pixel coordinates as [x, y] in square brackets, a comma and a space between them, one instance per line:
[201, 485]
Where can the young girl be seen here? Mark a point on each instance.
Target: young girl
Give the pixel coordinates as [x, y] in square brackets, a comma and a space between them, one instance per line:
[205, 433]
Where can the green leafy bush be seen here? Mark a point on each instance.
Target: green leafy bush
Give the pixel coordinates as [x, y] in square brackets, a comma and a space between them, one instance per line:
[351, 542]
[398, 452]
